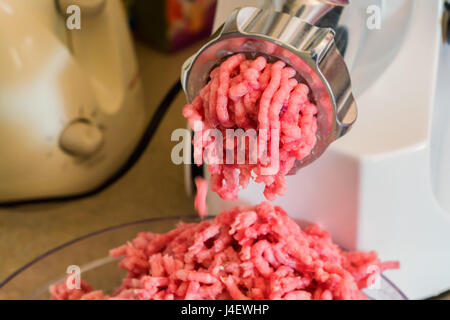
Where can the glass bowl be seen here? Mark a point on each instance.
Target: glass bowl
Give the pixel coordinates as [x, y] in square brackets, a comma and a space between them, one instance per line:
[90, 253]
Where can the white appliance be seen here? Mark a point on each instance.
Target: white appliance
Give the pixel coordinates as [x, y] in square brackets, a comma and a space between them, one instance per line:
[385, 185]
[71, 103]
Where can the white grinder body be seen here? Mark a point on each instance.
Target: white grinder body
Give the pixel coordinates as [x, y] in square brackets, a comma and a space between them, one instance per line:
[385, 186]
[71, 103]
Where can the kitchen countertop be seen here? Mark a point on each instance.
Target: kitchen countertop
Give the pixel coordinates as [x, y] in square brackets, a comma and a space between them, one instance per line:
[29, 230]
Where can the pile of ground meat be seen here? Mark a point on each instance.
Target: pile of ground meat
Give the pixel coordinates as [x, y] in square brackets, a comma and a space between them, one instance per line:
[266, 97]
[253, 252]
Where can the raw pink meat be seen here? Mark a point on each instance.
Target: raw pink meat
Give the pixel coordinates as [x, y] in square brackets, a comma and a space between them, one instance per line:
[266, 97]
[249, 252]
[200, 197]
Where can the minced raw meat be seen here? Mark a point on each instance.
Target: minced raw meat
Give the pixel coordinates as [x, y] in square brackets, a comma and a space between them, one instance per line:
[249, 252]
[200, 197]
[266, 97]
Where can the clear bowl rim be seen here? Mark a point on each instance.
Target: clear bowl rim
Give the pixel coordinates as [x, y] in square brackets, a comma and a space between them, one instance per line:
[192, 218]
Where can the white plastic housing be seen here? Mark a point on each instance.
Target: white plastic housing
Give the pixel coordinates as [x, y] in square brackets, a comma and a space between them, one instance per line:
[52, 77]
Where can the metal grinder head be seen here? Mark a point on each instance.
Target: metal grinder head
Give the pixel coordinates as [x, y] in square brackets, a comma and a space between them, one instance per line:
[292, 37]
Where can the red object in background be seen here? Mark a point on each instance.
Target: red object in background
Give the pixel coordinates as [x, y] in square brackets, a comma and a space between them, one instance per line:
[174, 11]
[170, 25]
[189, 21]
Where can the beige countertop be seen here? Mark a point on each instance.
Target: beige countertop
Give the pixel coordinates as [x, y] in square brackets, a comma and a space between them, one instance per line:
[154, 187]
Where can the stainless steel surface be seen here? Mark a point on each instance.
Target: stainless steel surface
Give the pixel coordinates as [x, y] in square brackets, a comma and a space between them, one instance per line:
[309, 49]
[308, 10]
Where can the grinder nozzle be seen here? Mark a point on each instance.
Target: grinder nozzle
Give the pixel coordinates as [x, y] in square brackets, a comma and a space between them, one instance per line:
[309, 49]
